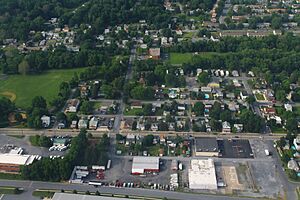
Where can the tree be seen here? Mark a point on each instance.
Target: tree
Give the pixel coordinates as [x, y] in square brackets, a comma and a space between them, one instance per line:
[204, 78]
[291, 125]
[281, 142]
[142, 93]
[225, 116]
[148, 140]
[198, 108]
[276, 22]
[61, 117]
[23, 67]
[215, 125]
[119, 137]
[39, 102]
[86, 107]
[280, 95]
[6, 107]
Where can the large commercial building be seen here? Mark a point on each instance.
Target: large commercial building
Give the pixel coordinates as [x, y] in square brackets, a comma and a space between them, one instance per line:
[141, 165]
[10, 163]
[206, 146]
[202, 175]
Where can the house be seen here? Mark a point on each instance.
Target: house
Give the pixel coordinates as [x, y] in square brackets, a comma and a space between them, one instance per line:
[46, 120]
[154, 53]
[238, 127]
[136, 105]
[293, 165]
[181, 107]
[83, 123]
[173, 94]
[235, 73]
[74, 124]
[288, 107]
[130, 139]
[243, 95]
[72, 105]
[296, 143]
[154, 127]
[226, 128]
[206, 89]
[214, 85]
[93, 124]
[236, 83]
[61, 125]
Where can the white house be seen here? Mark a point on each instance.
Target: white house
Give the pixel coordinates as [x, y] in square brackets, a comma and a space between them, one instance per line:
[296, 143]
[45, 121]
[72, 105]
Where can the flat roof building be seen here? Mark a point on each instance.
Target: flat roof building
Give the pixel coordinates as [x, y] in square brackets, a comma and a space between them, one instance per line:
[141, 165]
[202, 175]
[206, 146]
[10, 163]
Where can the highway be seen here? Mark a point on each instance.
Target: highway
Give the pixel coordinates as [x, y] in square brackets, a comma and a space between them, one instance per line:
[33, 185]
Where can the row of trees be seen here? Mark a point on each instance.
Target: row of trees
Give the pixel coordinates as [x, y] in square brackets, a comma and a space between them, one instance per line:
[6, 107]
[287, 42]
[13, 61]
[82, 152]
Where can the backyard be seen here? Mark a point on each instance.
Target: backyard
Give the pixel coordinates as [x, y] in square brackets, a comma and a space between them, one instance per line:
[23, 88]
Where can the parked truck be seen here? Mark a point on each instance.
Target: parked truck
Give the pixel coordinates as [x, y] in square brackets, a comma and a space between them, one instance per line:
[267, 152]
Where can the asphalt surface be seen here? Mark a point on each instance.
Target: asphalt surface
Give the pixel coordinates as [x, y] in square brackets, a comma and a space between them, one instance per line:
[32, 185]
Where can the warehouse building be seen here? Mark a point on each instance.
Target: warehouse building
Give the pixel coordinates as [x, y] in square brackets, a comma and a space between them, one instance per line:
[142, 165]
[11, 163]
[206, 146]
[202, 175]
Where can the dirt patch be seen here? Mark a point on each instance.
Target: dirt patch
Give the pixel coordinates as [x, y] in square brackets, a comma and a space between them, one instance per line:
[231, 178]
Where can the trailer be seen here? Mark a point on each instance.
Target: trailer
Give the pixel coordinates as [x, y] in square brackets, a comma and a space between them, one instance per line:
[108, 164]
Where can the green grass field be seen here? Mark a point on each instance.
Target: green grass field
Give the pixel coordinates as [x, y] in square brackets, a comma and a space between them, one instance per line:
[22, 89]
[180, 58]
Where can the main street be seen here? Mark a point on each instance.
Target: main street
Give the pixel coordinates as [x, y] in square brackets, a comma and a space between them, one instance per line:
[71, 132]
[34, 185]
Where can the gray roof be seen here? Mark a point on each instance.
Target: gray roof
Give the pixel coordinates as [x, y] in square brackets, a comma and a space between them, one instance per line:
[206, 144]
[65, 196]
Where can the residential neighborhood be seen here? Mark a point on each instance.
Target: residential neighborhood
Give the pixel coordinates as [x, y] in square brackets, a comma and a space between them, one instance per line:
[166, 99]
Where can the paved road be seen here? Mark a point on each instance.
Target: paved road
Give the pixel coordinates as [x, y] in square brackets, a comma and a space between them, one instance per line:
[32, 185]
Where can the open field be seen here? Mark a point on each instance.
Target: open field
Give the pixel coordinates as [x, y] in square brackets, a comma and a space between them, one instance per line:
[180, 58]
[22, 89]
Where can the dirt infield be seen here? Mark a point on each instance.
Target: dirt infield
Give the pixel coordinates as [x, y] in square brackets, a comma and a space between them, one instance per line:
[12, 96]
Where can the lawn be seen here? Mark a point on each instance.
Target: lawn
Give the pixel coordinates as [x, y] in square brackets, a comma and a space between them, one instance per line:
[134, 111]
[180, 58]
[10, 176]
[259, 97]
[9, 190]
[43, 193]
[22, 89]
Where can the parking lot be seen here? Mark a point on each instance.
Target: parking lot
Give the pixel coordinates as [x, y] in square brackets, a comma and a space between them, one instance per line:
[27, 147]
[235, 148]
[266, 178]
[121, 171]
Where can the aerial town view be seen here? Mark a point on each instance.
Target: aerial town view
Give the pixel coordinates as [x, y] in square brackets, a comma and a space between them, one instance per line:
[149, 99]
